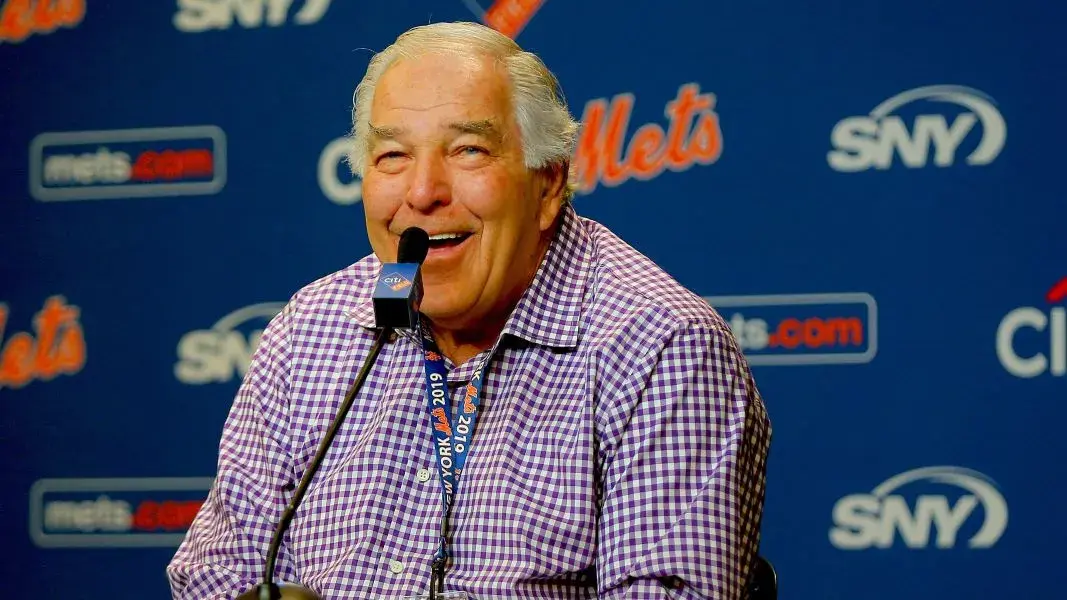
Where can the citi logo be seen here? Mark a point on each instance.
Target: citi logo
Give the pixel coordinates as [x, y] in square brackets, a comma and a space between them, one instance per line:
[396, 282]
[1022, 352]
[874, 520]
[862, 143]
[336, 179]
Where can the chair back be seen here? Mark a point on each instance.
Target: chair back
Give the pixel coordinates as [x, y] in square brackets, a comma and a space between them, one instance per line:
[763, 584]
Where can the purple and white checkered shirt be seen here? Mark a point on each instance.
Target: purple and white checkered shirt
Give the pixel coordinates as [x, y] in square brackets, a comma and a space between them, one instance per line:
[621, 434]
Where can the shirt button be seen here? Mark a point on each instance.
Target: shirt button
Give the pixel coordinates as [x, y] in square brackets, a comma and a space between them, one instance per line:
[396, 566]
[422, 475]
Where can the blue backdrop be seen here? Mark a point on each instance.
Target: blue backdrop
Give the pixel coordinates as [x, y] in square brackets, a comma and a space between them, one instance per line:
[870, 192]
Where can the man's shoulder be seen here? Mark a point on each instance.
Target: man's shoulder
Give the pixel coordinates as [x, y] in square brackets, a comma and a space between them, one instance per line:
[628, 286]
[344, 291]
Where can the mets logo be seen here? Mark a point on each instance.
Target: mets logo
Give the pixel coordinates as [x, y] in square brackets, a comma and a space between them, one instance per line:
[506, 16]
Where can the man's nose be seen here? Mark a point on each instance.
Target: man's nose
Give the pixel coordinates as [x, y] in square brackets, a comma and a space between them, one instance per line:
[429, 184]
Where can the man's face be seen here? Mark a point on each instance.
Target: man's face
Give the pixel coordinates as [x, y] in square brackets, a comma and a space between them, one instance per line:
[445, 155]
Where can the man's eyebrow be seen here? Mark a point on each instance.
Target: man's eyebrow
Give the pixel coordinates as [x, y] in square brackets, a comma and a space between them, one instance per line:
[385, 133]
[486, 128]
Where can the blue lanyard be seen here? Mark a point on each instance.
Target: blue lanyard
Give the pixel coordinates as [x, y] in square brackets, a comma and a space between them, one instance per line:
[451, 443]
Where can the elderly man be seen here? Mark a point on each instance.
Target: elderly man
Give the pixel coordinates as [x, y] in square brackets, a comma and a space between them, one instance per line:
[620, 442]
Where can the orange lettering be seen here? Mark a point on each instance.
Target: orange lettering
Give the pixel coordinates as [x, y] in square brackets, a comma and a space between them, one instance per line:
[71, 12]
[70, 357]
[16, 21]
[680, 112]
[442, 422]
[645, 152]
[599, 157]
[47, 16]
[20, 18]
[598, 152]
[16, 361]
[59, 346]
[47, 323]
[706, 145]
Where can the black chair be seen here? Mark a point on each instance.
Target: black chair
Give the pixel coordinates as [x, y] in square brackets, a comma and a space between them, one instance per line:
[763, 583]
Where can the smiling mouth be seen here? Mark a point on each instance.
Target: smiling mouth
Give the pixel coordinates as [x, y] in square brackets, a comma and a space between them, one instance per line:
[447, 240]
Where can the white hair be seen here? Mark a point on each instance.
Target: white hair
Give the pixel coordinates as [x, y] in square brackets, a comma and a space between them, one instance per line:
[548, 131]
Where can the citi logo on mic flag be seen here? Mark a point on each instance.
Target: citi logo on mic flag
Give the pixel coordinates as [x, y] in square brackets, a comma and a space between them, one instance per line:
[396, 282]
[128, 163]
[114, 513]
[802, 329]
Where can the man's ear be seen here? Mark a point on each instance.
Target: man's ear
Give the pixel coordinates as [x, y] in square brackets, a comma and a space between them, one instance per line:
[553, 180]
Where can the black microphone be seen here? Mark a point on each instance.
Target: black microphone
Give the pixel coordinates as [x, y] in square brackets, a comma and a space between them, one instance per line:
[399, 291]
[396, 305]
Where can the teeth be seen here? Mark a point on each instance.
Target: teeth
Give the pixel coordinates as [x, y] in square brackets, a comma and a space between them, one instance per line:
[445, 236]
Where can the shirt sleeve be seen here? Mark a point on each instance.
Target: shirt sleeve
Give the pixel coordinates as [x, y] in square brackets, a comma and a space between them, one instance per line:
[223, 553]
[683, 471]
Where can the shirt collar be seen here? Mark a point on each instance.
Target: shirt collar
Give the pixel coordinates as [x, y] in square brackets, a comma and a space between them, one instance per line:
[549, 311]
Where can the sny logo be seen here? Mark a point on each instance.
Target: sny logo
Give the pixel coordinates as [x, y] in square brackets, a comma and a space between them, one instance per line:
[872, 520]
[130, 163]
[861, 143]
[802, 329]
[600, 157]
[19, 19]
[57, 346]
[1029, 317]
[506, 16]
[220, 353]
[195, 16]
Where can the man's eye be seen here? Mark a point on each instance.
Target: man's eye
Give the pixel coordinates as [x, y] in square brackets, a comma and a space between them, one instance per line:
[472, 150]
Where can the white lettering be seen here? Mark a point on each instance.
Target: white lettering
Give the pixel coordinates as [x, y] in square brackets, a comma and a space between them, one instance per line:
[102, 166]
[861, 143]
[196, 16]
[873, 520]
[863, 522]
[1039, 363]
[102, 514]
[312, 12]
[751, 334]
[331, 162]
[208, 356]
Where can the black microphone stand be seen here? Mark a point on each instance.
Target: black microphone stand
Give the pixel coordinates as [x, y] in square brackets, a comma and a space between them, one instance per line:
[268, 590]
